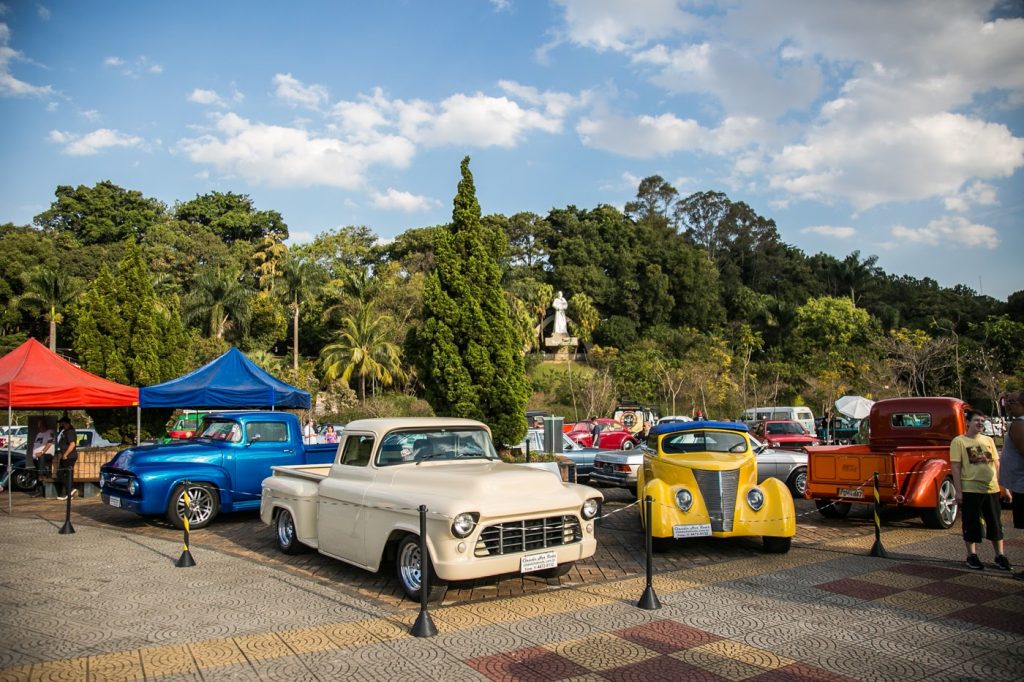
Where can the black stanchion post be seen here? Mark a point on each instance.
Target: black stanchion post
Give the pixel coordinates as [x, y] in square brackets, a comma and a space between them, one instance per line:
[877, 549]
[600, 512]
[186, 560]
[649, 600]
[67, 528]
[424, 625]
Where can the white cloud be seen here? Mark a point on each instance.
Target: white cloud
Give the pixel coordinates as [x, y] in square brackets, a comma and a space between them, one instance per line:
[43, 12]
[402, 201]
[95, 142]
[210, 97]
[297, 93]
[977, 194]
[91, 115]
[831, 231]
[622, 26]
[839, 102]
[135, 68]
[897, 160]
[10, 86]
[954, 231]
[287, 157]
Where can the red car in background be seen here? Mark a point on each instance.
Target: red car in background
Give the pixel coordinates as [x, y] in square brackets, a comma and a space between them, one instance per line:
[784, 434]
[614, 435]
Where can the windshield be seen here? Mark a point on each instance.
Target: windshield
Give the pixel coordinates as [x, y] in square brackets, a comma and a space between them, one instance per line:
[400, 447]
[222, 430]
[703, 441]
[778, 428]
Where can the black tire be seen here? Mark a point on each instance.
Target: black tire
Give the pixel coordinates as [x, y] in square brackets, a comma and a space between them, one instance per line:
[205, 504]
[832, 509]
[797, 482]
[556, 572]
[407, 569]
[775, 545]
[24, 479]
[287, 540]
[946, 509]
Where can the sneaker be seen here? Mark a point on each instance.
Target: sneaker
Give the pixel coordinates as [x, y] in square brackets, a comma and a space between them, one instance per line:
[75, 492]
[974, 563]
[64, 497]
[1002, 563]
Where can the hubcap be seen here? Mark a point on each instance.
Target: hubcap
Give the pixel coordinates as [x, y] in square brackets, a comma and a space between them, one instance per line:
[285, 529]
[409, 563]
[800, 483]
[202, 505]
[947, 503]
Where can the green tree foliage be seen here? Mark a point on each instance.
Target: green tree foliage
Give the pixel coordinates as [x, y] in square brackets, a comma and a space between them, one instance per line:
[127, 336]
[232, 217]
[50, 290]
[362, 349]
[469, 358]
[219, 301]
[300, 279]
[101, 214]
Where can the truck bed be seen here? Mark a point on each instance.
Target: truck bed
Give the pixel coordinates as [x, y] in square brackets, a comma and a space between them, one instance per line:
[310, 472]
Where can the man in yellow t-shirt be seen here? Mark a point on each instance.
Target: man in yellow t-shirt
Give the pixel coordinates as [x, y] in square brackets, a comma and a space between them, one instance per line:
[975, 465]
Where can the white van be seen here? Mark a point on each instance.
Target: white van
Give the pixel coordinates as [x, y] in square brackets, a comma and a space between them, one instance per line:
[789, 413]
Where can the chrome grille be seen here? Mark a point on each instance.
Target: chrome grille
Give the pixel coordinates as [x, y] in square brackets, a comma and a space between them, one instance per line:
[718, 488]
[528, 534]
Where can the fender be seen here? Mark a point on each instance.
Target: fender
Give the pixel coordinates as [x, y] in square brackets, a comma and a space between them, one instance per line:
[921, 487]
[159, 482]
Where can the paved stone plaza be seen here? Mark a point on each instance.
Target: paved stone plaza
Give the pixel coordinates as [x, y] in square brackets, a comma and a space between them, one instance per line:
[108, 603]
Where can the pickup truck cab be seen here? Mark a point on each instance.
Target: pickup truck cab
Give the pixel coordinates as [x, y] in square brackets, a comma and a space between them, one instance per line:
[221, 468]
[908, 446]
[484, 517]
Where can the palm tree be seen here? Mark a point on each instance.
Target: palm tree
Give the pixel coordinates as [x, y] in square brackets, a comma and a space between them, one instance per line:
[362, 348]
[218, 300]
[50, 290]
[300, 278]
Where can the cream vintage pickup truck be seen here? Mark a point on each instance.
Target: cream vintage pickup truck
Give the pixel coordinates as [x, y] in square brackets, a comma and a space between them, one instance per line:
[484, 517]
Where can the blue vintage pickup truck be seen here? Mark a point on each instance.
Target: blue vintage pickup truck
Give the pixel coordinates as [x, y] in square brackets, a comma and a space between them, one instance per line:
[222, 467]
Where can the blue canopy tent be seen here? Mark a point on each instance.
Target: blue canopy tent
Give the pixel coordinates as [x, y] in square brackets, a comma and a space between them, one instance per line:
[230, 381]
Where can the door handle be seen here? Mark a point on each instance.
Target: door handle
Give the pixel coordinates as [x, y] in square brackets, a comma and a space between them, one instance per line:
[289, 451]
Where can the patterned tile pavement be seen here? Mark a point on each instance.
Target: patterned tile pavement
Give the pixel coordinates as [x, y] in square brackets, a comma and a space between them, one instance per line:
[107, 603]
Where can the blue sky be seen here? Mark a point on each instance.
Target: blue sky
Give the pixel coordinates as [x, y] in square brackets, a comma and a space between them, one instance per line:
[892, 128]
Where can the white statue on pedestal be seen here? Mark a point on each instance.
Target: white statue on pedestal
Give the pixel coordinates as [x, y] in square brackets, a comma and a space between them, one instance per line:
[560, 306]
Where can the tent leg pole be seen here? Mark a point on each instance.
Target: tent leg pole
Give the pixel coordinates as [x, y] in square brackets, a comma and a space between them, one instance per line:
[10, 474]
[138, 423]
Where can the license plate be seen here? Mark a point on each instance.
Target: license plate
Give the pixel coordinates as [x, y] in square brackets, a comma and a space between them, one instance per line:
[537, 562]
[114, 501]
[851, 492]
[691, 530]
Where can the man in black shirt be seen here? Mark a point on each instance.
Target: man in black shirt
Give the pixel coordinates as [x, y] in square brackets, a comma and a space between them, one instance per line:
[67, 451]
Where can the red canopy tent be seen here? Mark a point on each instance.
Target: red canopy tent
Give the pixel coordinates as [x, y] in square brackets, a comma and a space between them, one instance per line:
[33, 376]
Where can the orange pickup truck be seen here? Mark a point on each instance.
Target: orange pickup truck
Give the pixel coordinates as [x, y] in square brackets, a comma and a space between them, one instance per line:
[908, 446]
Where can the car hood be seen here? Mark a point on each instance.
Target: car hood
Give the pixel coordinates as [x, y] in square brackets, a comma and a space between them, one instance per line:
[493, 488]
[631, 457]
[163, 454]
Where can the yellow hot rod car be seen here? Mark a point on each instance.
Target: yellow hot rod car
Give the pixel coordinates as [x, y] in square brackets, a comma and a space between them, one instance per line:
[702, 478]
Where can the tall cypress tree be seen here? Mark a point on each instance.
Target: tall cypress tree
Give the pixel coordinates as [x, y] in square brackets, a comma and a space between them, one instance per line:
[126, 335]
[467, 352]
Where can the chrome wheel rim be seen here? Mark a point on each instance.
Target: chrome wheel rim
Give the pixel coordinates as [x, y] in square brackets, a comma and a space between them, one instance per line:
[800, 483]
[947, 506]
[285, 529]
[202, 505]
[409, 566]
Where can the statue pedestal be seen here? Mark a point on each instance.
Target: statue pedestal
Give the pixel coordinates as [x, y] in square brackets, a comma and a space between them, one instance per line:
[562, 344]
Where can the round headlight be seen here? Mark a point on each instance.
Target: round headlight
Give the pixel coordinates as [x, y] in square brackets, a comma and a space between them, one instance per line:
[103, 480]
[755, 498]
[589, 509]
[133, 487]
[463, 524]
[684, 499]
